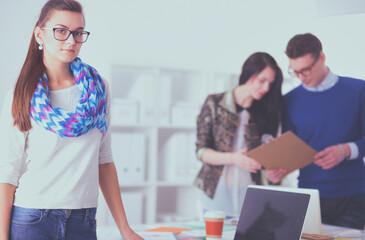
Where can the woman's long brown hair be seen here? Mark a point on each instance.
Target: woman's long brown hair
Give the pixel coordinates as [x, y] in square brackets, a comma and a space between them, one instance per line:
[33, 67]
[266, 113]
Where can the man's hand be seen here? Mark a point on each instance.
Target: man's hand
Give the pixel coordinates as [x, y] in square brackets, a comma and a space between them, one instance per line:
[330, 156]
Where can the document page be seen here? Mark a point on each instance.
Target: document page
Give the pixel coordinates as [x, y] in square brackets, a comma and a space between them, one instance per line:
[286, 151]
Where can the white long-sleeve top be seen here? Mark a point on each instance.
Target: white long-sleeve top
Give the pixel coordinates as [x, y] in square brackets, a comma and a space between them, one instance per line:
[52, 172]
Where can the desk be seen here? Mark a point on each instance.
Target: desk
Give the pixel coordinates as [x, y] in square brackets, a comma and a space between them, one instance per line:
[112, 233]
[342, 232]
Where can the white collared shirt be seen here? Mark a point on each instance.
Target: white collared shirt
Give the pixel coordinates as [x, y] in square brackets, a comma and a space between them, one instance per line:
[330, 80]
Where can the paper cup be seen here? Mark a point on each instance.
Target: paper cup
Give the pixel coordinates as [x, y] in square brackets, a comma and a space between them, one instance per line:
[214, 224]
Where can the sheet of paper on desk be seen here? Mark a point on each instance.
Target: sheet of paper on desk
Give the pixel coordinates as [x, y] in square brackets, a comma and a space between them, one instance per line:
[157, 235]
[286, 151]
[342, 232]
[115, 235]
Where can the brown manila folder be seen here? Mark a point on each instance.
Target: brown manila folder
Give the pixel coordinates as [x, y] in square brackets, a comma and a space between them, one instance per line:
[286, 151]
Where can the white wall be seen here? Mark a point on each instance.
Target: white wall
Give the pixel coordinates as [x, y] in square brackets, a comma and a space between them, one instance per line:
[193, 34]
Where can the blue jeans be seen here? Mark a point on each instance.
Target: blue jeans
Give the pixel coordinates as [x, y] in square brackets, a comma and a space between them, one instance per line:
[346, 211]
[52, 224]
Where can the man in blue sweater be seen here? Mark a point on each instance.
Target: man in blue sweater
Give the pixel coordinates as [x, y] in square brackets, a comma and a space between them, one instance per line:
[328, 112]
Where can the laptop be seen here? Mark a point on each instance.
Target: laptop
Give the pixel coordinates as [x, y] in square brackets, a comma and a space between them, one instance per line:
[313, 220]
[272, 215]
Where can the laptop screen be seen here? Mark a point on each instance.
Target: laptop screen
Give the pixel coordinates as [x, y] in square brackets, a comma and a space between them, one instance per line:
[272, 215]
[313, 221]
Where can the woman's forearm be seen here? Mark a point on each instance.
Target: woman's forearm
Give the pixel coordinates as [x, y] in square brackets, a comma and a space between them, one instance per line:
[6, 203]
[237, 158]
[214, 157]
[108, 181]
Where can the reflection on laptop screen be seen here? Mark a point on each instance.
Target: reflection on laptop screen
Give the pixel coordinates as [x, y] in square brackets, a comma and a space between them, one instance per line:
[313, 220]
[272, 215]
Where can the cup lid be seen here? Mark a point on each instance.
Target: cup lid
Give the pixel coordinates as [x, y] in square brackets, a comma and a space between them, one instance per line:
[214, 214]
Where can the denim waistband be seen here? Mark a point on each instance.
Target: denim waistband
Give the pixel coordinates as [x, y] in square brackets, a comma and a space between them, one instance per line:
[85, 213]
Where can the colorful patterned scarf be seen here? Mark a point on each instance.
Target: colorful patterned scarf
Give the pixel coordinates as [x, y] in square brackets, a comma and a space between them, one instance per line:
[90, 111]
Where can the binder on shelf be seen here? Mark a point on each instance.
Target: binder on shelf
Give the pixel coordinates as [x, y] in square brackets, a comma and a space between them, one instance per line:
[170, 155]
[181, 165]
[120, 145]
[146, 91]
[138, 153]
[129, 152]
[124, 111]
[184, 113]
[179, 159]
[188, 168]
[164, 99]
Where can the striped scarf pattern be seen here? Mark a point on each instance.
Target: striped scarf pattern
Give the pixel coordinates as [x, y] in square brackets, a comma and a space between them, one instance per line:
[91, 107]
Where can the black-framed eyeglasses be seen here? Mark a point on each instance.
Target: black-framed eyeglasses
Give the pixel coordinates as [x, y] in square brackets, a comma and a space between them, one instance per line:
[62, 34]
[305, 71]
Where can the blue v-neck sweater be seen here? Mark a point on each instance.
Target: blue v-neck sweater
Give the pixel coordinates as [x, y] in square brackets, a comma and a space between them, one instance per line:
[323, 119]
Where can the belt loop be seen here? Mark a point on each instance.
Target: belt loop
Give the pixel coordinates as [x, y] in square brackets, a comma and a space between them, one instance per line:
[46, 212]
[86, 214]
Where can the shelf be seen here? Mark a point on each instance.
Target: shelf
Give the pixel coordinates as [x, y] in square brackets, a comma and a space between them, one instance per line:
[145, 126]
[174, 184]
[135, 185]
[131, 126]
[154, 112]
[177, 127]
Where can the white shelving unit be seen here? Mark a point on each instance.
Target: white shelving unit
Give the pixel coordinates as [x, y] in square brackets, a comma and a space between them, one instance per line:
[154, 114]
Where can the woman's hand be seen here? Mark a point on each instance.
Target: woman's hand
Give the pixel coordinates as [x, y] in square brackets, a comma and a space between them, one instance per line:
[241, 160]
[275, 175]
[131, 235]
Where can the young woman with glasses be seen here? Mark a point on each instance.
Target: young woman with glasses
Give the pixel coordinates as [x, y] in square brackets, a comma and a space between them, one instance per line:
[56, 138]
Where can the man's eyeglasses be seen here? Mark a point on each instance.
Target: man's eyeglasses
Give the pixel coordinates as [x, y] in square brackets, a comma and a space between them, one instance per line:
[62, 34]
[305, 71]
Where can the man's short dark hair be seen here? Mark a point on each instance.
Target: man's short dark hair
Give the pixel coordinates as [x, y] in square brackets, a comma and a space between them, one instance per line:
[303, 44]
